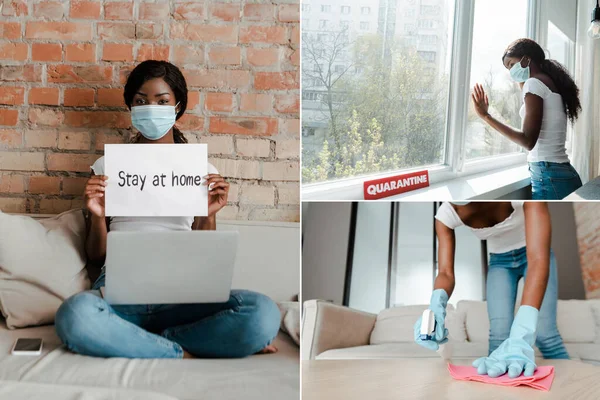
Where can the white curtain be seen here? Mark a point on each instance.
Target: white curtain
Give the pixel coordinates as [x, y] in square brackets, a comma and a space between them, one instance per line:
[586, 138]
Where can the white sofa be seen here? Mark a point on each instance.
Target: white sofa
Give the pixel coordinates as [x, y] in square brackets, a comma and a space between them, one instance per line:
[331, 331]
[268, 253]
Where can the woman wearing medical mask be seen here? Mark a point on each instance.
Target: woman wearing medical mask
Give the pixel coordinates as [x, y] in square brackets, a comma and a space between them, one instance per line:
[518, 238]
[550, 97]
[156, 93]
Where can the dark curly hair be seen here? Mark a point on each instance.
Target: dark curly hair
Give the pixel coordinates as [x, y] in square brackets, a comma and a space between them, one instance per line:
[560, 76]
[151, 69]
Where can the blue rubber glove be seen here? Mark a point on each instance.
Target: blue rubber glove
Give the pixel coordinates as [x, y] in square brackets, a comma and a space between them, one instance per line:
[515, 354]
[437, 304]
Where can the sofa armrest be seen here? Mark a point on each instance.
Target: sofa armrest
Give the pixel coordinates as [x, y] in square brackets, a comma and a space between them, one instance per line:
[327, 326]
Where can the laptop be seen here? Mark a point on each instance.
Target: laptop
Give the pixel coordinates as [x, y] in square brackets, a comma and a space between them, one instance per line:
[169, 267]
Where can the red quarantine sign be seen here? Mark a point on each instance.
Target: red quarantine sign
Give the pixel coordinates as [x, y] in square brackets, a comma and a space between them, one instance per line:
[380, 188]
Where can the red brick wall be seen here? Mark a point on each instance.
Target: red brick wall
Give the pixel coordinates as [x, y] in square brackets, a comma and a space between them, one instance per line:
[587, 218]
[63, 65]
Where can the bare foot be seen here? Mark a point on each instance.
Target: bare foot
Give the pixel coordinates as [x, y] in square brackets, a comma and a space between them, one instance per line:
[187, 355]
[270, 349]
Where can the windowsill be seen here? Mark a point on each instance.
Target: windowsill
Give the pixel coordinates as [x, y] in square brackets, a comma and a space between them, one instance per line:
[489, 185]
[589, 191]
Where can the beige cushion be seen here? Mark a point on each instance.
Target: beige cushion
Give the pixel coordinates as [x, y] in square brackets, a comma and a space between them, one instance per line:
[477, 322]
[258, 377]
[576, 321]
[596, 311]
[41, 264]
[395, 325]
[455, 323]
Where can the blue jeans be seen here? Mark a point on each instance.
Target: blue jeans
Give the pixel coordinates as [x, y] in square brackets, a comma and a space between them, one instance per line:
[242, 326]
[504, 272]
[553, 181]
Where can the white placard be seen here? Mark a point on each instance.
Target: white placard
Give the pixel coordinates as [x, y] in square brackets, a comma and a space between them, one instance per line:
[152, 180]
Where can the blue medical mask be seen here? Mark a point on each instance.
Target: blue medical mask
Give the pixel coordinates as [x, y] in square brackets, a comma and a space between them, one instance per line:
[518, 73]
[153, 121]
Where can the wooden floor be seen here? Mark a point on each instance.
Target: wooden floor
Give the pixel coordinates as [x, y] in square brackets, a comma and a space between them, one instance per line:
[407, 379]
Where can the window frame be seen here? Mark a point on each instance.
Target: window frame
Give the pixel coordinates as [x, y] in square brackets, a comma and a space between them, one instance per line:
[454, 164]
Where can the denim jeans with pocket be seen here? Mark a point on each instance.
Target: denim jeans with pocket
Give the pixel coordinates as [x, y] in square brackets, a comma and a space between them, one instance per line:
[504, 272]
[242, 326]
[553, 181]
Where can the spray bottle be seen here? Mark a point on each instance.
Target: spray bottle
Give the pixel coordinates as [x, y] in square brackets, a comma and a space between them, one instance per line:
[427, 332]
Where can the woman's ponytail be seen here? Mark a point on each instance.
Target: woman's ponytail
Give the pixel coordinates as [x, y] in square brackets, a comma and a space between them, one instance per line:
[566, 86]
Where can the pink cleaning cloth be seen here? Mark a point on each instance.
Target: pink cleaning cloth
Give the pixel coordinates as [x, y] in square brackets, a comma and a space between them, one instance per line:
[541, 379]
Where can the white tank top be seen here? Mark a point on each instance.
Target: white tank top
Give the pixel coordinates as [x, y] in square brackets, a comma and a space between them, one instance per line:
[148, 223]
[550, 145]
[505, 236]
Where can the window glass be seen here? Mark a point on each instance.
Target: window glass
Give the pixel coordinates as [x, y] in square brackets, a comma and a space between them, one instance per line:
[487, 69]
[385, 80]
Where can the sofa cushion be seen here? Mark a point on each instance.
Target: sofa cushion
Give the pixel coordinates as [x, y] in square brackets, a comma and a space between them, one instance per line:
[477, 323]
[456, 325]
[41, 264]
[596, 311]
[576, 321]
[394, 325]
[30, 390]
[258, 377]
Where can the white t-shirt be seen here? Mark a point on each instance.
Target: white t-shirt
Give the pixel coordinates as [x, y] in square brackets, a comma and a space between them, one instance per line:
[148, 223]
[550, 145]
[505, 236]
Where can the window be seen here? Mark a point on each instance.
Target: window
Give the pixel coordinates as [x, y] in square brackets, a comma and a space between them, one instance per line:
[487, 69]
[323, 24]
[345, 24]
[398, 266]
[430, 10]
[428, 56]
[305, 24]
[426, 24]
[308, 132]
[305, 7]
[409, 12]
[322, 37]
[404, 129]
[429, 40]
[318, 67]
[345, 9]
[311, 96]
[326, 8]
[393, 115]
